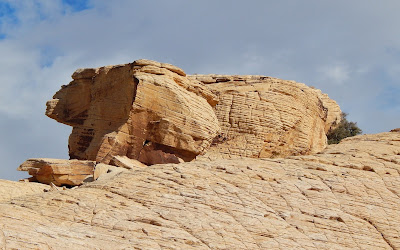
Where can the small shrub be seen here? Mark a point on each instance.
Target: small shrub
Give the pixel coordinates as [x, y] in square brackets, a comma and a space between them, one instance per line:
[343, 130]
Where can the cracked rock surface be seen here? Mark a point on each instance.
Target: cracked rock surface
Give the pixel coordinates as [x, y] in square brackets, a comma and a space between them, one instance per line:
[154, 113]
[346, 197]
[262, 116]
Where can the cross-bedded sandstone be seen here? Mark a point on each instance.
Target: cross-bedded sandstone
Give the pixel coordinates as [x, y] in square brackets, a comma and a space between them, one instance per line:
[346, 197]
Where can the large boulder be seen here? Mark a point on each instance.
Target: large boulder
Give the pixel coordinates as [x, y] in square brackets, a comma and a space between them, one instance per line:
[154, 113]
[262, 116]
[144, 110]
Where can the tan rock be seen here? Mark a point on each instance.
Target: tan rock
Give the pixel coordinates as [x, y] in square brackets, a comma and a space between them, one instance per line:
[105, 172]
[117, 110]
[57, 171]
[99, 170]
[125, 162]
[262, 116]
[11, 189]
[154, 113]
[346, 197]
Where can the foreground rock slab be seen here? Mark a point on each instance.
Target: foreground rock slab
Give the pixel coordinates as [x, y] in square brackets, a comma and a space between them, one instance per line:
[57, 171]
[346, 197]
[11, 189]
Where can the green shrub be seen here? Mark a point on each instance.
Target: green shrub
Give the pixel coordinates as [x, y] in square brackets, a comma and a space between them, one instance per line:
[343, 130]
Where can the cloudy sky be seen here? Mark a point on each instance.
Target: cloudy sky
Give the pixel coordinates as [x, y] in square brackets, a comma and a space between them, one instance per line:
[349, 49]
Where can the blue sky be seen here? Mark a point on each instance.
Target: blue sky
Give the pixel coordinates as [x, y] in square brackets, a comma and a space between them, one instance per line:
[77, 5]
[348, 49]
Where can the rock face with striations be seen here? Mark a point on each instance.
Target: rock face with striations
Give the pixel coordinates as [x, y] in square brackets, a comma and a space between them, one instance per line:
[262, 116]
[57, 171]
[346, 197]
[317, 197]
[154, 113]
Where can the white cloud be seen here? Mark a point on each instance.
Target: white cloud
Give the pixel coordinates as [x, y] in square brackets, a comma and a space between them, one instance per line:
[337, 73]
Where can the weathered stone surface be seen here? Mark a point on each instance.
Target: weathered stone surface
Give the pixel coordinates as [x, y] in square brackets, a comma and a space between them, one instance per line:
[104, 171]
[262, 116]
[57, 171]
[346, 197]
[154, 113]
[119, 110]
[12, 189]
[125, 162]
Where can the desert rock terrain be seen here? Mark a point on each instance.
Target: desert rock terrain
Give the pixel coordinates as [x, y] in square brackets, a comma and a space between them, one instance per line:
[346, 197]
[165, 160]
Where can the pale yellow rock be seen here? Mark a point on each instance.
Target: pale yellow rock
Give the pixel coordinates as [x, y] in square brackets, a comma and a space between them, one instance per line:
[104, 171]
[12, 189]
[125, 162]
[346, 197]
[154, 113]
[99, 170]
[262, 116]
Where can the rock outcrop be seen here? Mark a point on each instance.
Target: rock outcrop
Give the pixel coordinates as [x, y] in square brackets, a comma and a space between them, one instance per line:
[143, 110]
[262, 116]
[154, 113]
[161, 160]
[346, 197]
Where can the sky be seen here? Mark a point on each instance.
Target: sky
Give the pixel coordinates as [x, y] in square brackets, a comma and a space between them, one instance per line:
[350, 49]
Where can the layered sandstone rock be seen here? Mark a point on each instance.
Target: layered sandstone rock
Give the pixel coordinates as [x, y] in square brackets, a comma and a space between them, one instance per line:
[154, 113]
[347, 197]
[143, 110]
[262, 116]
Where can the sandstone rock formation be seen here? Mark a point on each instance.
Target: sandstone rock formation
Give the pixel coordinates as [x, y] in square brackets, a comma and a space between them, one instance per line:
[75, 172]
[262, 116]
[346, 197]
[144, 110]
[154, 113]
[136, 127]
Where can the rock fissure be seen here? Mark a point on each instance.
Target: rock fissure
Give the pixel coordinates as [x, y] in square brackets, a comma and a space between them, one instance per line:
[383, 236]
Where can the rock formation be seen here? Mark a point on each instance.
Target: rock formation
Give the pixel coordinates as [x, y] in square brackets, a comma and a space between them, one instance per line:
[346, 197]
[154, 113]
[59, 172]
[144, 110]
[268, 117]
[161, 160]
